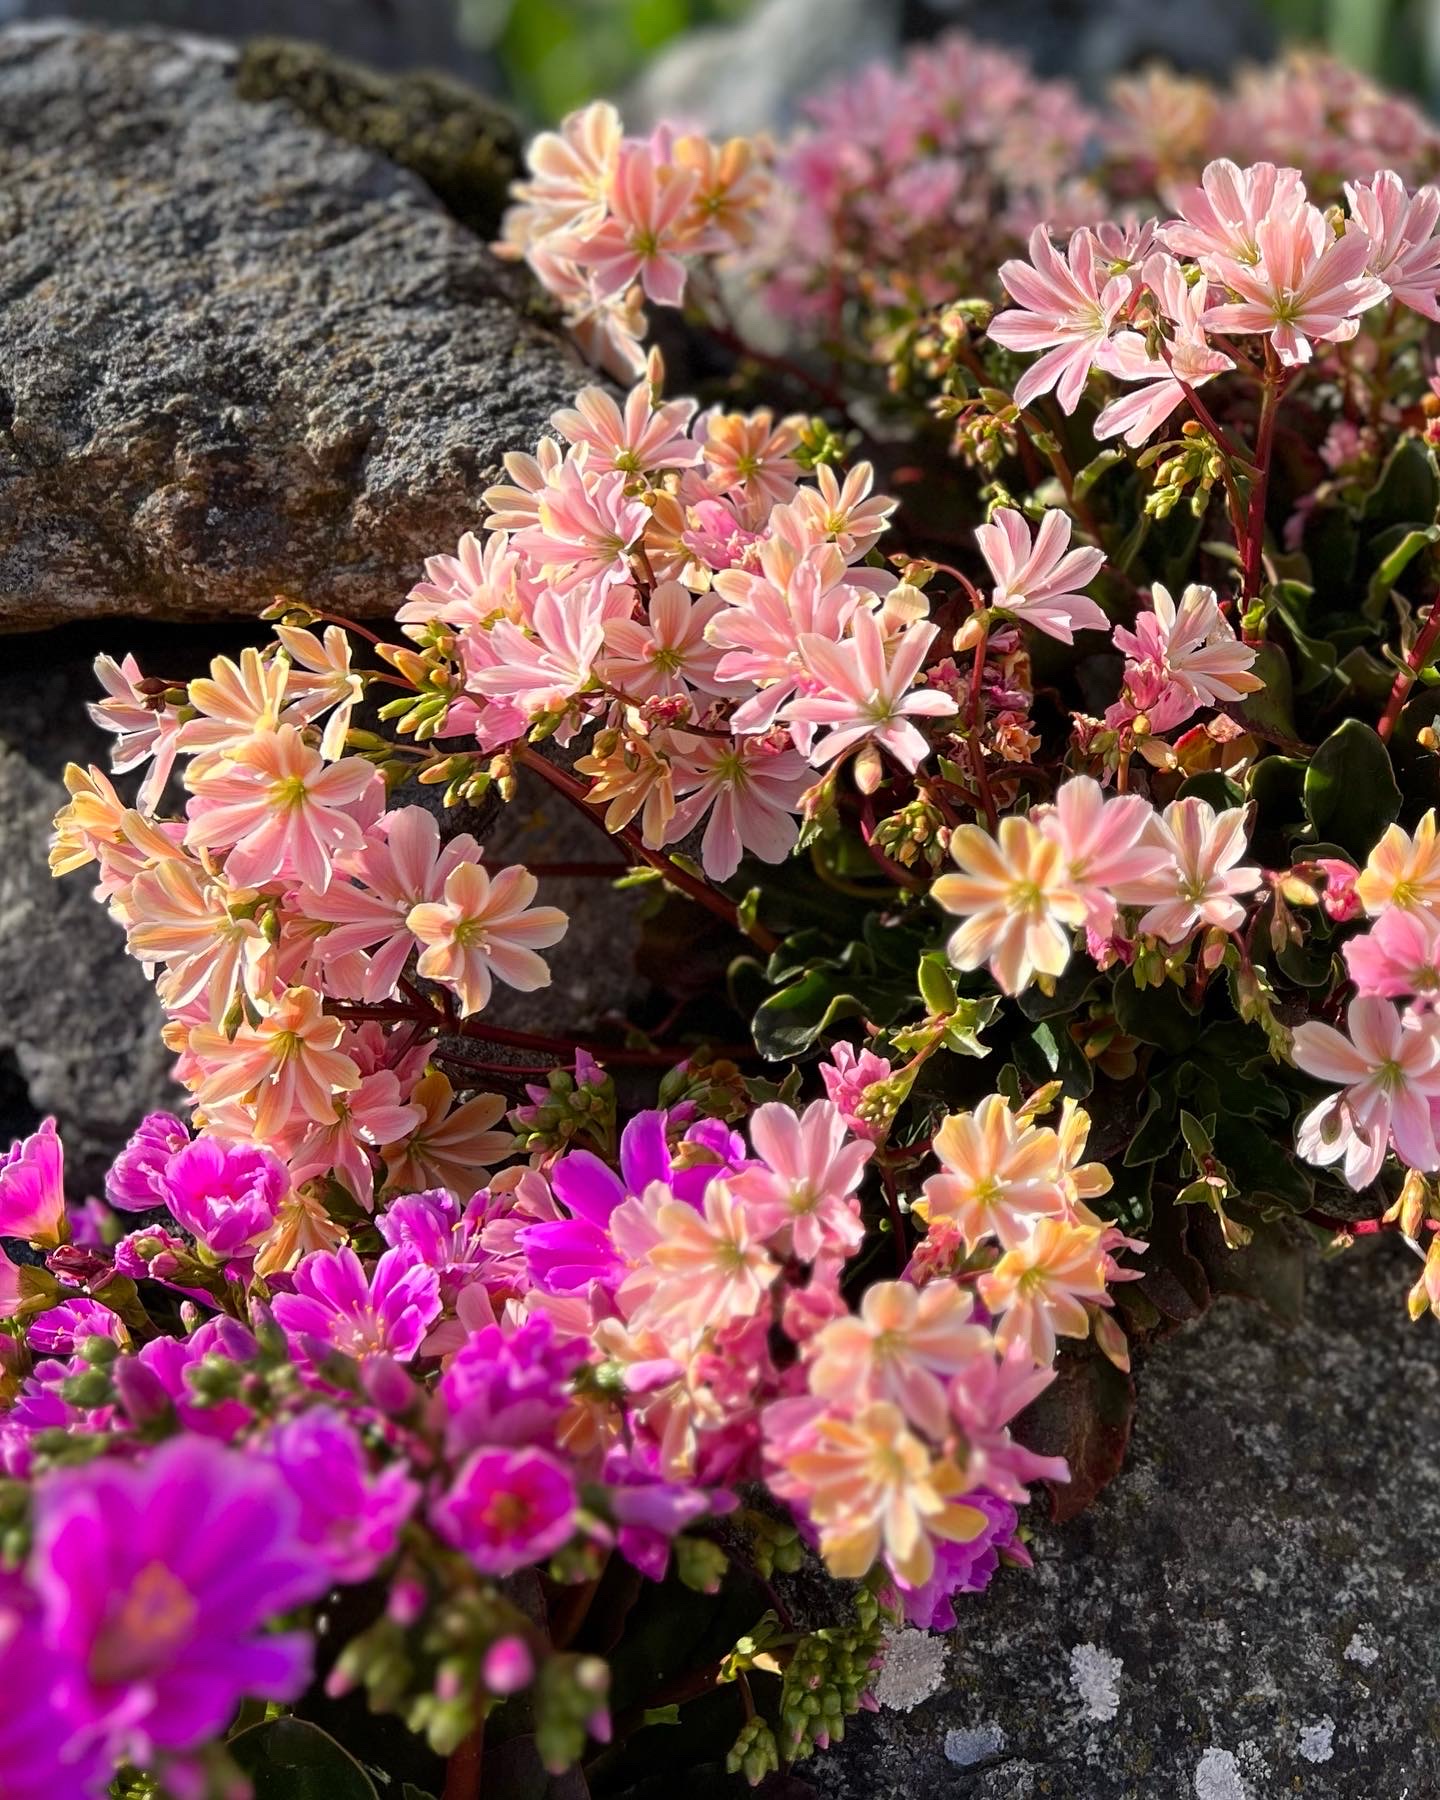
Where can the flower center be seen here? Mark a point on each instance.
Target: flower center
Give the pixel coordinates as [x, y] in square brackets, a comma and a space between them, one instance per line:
[152, 1621]
[288, 793]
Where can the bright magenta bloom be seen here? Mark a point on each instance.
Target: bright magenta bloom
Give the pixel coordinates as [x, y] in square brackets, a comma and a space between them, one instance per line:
[507, 1508]
[383, 1314]
[32, 1188]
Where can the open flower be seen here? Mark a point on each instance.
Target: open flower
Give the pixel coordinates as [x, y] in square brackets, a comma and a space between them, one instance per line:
[1389, 1067]
[1041, 1285]
[32, 1189]
[1180, 658]
[903, 1345]
[1040, 582]
[1200, 881]
[809, 1169]
[866, 695]
[1403, 871]
[1016, 899]
[483, 928]
[507, 1508]
[1064, 307]
[1404, 249]
[1307, 284]
[999, 1172]
[384, 1313]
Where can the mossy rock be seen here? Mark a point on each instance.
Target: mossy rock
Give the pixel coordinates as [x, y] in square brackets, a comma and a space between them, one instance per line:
[463, 145]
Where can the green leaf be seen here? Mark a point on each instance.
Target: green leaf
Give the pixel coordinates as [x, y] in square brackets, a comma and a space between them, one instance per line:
[1350, 790]
[1272, 709]
[289, 1759]
[1156, 1016]
[1210, 784]
[1086, 478]
[788, 1023]
[1408, 491]
[1049, 1053]
[937, 990]
[1411, 543]
[1197, 1139]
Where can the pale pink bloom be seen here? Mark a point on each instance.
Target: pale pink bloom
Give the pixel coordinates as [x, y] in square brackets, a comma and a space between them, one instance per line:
[903, 1345]
[323, 681]
[870, 1486]
[667, 652]
[486, 928]
[236, 701]
[607, 328]
[473, 587]
[1389, 1067]
[401, 864]
[541, 671]
[372, 1115]
[586, 526]
[1404, 250]
[866, 692]
[1064, 308]
[987, 1394]
[641, 439]
[279, 810]
[1221, 218]
[1180, 659]
[998, 1173]
[287, 1067]
[748, 791]
[452, 1145]
[1399, 957]
[713, 1264]
[1041, 1286]
[810, 1168]
[1403, 871]
[848, 515]
[1200, 880]
[1040, 582]
[511, 505]
[750, 455]
[1307, 284]
[1016, 899]
[570, 169]
[180, 915]
[1189, 358]
[1103, 843]
[646, 230]
[146, 729]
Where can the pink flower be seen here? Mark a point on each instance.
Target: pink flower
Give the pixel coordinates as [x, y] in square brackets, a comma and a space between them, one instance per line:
[747, 791]
[486, 927]
[1221, 218]
[642, 438]
[570, 169]
[1180, 659]
[1104, 843]
[542, 670]
[865, 696]
[350, 1515]
[32, 1189]
[225, 1195]
[1188, 358]
[385, 1313]
[1404, 250]
[1389, 1066]
[1200, 882]
[713, 1264]
[585, 525]
[507, 1508]
[1040, 581]
[146, 730]
[280, 810]
[1307, 284]
[748, 454]
[1017, 901]
[645, 233]
[1064, 309]
[810, 1168]
[847, 1074]
[903, 1345]
[666, 653]
[1399, 957]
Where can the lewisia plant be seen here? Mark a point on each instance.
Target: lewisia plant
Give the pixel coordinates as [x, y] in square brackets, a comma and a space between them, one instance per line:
[1036, 853]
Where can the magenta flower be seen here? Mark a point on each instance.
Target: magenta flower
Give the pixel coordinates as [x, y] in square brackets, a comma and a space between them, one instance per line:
[507, 1508]
[133, 1181]
[41, 1755]
[350, 1515]
[334, 1303]
[964, 1568]
[61, 1330]
[157, 1378]
[157, 1580]
[509, 1387]
[225, 1195]
[847, 1075]
[32, 1189]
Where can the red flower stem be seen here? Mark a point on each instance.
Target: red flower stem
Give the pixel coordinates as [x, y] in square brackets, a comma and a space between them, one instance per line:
[1276, 381]
[397, 1012]
[463, 1770]
[1419, 655]
[1357, 1228]
[977, 705]
[693, 886]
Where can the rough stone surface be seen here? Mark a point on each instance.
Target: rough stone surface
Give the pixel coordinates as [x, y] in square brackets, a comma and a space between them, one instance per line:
[237, 356]
[1243, 1614]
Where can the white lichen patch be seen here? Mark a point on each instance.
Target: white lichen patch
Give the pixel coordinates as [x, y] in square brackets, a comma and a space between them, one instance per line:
[966, 1748]
[1317, 1741]
[913, 1669]
[1217, 1777]
[1095, 1676]
[1361, 1650]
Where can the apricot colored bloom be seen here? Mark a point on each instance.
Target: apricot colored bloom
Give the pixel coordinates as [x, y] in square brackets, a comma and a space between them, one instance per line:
[1389, 1066]
[713, 1263]
[1180, 658]
[1082, 1181]
[866, 692]
[1064, 307]
[289, 1066]
[731, 186]
[1039, 582]
[645, 233]
[91, 823]
[809, 1169]
[1200, 882]
[747, 791]
[1041, 1285]
[181, 917]
[485, 927]
[512, 505]
[1221, 218]
[402, 864]
[903, 1345]
[1102, 843]
[633, 774]
[641, 439]
[1403, 871]
[146, 729]
[234, 702]
[301, 1226]
[666, 652]
[870, 1486]
[749, 454]
[1017, 901]
[1189, 360]
[323, 682]
[1400, 956]
[1404, 250]
[998, 1172]
[452, 1145]
[279, 810]
[1308, 284]
[570, 169]
[585, 525]
[849, 515]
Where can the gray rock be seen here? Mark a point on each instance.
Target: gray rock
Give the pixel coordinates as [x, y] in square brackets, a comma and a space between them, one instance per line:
[1244, 1613]
[237, 356]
